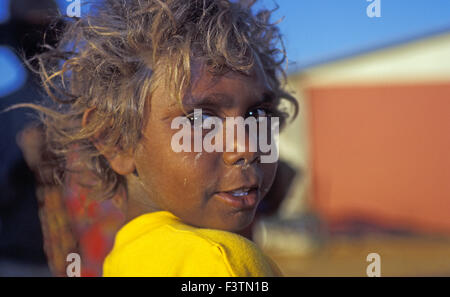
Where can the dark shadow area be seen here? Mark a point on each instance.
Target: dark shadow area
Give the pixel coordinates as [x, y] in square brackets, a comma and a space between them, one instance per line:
[21, 244]
[279, 190]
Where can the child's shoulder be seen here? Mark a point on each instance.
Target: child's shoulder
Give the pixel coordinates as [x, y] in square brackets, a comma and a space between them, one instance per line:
[160, 244]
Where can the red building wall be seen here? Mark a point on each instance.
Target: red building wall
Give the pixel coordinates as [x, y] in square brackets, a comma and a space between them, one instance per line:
[382, 153]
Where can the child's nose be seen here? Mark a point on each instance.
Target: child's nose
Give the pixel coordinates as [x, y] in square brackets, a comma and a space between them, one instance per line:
[242, 151]
[240, 159]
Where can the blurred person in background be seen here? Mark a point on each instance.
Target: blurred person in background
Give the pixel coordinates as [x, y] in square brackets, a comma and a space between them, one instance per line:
[68, 223]
[20, 235]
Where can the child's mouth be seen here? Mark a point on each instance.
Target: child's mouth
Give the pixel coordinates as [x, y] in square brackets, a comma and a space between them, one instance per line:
[240, 192]
[242, 198]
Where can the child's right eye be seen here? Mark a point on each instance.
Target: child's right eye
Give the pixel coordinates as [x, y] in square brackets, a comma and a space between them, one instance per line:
[197, 118]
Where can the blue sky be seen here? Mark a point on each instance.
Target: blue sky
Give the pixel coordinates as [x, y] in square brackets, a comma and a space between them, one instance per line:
[321, 30]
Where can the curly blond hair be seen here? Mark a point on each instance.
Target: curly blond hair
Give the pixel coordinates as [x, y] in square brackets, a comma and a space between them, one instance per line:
[113, 59]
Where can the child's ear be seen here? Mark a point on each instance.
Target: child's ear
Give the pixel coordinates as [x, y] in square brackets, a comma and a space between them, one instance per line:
[122, 162]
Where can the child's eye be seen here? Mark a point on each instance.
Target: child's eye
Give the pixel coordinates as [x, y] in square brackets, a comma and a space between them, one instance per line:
[258, 113]
[197, 118]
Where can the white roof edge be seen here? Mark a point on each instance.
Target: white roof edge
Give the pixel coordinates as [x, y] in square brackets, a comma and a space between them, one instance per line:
[426, 60]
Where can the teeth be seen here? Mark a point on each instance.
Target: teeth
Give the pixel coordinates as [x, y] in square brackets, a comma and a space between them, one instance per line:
[240, 192]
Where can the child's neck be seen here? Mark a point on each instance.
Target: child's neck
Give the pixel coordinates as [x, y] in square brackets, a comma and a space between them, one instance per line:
[138, 202]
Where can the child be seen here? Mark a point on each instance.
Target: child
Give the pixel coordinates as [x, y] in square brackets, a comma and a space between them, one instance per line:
[120, 78]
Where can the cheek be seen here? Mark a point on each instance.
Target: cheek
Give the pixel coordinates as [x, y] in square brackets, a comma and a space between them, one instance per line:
[172, 174]
[197, 170]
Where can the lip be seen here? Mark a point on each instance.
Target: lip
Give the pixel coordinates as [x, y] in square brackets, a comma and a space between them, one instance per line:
[248, 201]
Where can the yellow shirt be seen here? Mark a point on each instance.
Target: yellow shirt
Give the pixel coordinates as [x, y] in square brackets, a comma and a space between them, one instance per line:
[160, 244]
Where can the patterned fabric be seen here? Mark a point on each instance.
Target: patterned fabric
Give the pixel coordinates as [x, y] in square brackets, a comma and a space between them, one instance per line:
[94, 223]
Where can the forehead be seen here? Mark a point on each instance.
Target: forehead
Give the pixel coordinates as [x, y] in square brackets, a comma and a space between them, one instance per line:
[202, 73]
[234, 83]
[234, 87]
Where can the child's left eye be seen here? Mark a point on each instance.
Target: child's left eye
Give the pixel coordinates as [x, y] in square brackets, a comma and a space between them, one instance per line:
[258, 113]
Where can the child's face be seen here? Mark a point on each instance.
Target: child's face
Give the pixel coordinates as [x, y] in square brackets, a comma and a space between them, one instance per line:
[192, 185]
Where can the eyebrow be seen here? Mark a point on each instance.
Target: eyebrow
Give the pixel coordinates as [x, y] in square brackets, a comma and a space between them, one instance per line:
[224, 100]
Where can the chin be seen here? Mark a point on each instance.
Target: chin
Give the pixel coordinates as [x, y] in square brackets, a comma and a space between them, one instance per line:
[238, 221]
